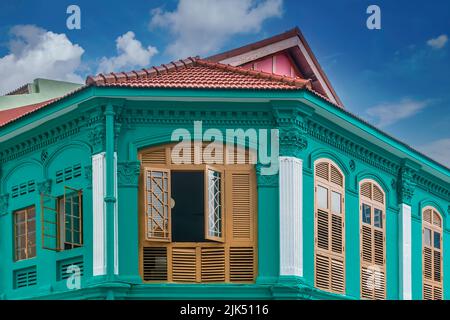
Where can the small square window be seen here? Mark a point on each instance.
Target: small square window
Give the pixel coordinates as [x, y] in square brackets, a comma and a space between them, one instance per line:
[322, 197]
[437, 240]
[427, 237]
[378, 218]
[336, 201]
[366, 214]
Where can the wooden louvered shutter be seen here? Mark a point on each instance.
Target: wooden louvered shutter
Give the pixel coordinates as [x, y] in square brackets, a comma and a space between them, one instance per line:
[372, 241]
[213, 264]
[157, 204]
[153, 157]
[184, 264]
[432, 255]
[329, 228]
[241, 233]
[154, 263]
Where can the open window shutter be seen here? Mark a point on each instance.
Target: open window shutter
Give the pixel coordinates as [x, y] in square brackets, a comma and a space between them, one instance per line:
[241, 204]
[71, 217]
[214, 217]
[157, 204]
[50, 221]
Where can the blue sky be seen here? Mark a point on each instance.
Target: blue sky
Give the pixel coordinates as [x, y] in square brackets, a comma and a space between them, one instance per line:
[396, 78]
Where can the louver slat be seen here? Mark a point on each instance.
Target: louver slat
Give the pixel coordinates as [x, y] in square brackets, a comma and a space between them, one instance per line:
[241, 206]
[336, 176]
[379, 285]
[366, 190]
[155, 264]
[366, 283]
[336, 234]
[322, 230]
[427, 291]
[366, 244]
[322, 272]
[241, 264]
[437, 293]
[154, 157]
[427, 216]
[213, 265]
[437, 266]
[322, 170]
[184, 264]
[427, 263]
[377, 195]
[337, 276]
[378, 247]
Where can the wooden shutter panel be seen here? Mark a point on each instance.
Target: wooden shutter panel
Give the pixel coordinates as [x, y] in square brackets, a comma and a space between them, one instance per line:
[427, 263]
[154, 264]
[322, 170]
[157, 204]
[366, 190]
[378, 194]
[366, 237]
[378, 242]
[154, 157]
[242, 266]
[213, 265]
[184, 264]
[329, 230]
[241, 203]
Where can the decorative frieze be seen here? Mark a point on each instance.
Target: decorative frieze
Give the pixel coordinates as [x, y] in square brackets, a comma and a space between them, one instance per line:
[128, 173]
[406, 186]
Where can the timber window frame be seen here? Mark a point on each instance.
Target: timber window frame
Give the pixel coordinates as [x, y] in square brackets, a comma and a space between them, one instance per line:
[432, 254]
[329, 227]
[24, 233]
[62, 220]
[228, 253]
[372, 221]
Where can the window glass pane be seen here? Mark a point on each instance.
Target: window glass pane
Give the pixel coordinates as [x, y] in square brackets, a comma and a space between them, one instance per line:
[378, 218]
[214, 204]
[322, 197]
[366, 214]
[336, 202]
[437, 240]
[427, 237]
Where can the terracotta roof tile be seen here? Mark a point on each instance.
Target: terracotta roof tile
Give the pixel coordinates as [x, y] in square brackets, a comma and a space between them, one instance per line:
[10, 115]
[195, 73]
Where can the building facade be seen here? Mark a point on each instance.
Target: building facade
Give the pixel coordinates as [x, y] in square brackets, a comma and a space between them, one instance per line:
[95, 205]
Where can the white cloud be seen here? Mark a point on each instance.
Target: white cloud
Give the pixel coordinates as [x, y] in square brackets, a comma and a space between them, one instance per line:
[439, 42]
[37, 53]
[201, 27]
[438, 150]
[387, 114]
[131, 54]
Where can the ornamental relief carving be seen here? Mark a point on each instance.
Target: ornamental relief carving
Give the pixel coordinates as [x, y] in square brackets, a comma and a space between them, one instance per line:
[128, 173]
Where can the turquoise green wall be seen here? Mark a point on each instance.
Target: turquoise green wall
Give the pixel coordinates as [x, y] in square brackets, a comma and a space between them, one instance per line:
[141, 124]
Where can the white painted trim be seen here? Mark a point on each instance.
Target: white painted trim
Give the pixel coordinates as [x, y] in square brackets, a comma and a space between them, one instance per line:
[291, 216]
[116, 220]
[405, 252]
[98, 214]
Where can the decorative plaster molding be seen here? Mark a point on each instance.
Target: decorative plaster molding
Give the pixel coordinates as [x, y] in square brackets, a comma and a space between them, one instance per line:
[4, 202]
[405, 186]
[128, 173]
[352, 165]
[88, 175]
[45, 186]
[266, 180]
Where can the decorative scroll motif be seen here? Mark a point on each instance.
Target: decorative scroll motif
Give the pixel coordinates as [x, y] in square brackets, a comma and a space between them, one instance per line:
[128, 173]
[4, 202]
[266, 180]
[352, 165]
[45, 187]
[406, 186]
[291, 122]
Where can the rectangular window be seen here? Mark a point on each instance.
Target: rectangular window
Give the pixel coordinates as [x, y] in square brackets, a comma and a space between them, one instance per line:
[62, 220]
[378, 218]
[214, 218]
[322, 197]
[427, 237]
[366, 214]
[336, 202]
[25, 233]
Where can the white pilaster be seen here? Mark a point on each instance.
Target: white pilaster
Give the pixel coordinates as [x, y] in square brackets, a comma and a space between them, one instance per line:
[405, 252]
[98, 213]
[116, 220]
[291, 216]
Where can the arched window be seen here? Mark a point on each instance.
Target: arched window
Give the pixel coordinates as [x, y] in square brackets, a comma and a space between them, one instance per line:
[329, 184]
[432, 254]
[372, 240]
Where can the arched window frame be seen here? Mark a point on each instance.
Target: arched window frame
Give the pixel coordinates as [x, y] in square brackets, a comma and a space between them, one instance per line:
[373, 264]
[432, 288]
[329, 254]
